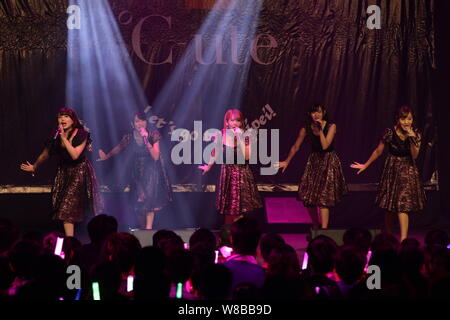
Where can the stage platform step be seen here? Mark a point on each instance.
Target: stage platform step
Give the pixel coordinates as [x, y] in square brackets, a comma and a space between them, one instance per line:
[262, 187]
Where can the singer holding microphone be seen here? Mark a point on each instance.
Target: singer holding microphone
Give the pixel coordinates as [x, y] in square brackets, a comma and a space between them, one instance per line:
[150, 187]
[322, 184]
[75, 187]
[400, 190]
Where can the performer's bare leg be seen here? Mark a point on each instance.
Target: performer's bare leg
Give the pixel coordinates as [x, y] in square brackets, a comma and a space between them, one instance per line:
[403, 220]
[149, 221]
[324, 216]
[69, 229]
[314, 218]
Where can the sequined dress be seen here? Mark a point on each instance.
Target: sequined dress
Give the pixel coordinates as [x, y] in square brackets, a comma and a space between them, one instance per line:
[400, 188]
[322, 183]
[236, 190]
[75, 190]
[150, 186]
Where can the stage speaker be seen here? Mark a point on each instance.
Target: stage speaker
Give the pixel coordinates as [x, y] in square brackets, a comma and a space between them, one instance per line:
[145, 237]
[338, 234]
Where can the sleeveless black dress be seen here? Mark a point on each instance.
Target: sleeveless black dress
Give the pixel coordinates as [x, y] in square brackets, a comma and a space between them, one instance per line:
[150, 186]
[322, 183]
[75, 190]
[400, 188]
[236, 190]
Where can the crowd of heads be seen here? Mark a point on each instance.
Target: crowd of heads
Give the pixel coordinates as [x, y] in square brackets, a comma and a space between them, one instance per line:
[257, 266]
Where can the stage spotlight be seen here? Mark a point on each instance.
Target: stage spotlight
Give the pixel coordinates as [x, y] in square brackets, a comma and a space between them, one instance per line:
[102, 86]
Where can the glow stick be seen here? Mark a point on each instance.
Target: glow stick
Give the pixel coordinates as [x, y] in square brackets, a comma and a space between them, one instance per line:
[59, 245]
[305, 261]
[179, 290]
[96, 290]
[77, 297]
[217, 257]
[130, 281]
[369, 255]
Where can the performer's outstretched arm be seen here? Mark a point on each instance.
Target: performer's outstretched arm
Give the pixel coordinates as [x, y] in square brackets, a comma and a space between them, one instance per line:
[206, 167]
[116, 150]
[33, 167]
[375, 154]
[294, 149]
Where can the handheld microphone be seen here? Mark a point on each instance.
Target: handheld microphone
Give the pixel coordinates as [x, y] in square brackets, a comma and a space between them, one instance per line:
[56, 134]
[317, 125]
[144, 139]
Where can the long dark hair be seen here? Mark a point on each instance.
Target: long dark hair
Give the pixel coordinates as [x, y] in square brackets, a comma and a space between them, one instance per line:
[141, 115]
[73, 115]
[314, 108]
[76, 124]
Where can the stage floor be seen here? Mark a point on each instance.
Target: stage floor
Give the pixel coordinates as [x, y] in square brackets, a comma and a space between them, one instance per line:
[193, 207]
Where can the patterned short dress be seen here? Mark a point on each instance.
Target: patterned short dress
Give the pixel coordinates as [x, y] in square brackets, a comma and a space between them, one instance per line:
[400, 188]
[150, 186]
[322, 183]
[75, 190]
[236, 190]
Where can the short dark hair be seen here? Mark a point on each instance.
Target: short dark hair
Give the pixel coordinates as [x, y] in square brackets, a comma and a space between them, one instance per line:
[122, 249]
[385, 241]
[245, 234]
[322, 254]
[268, 242]
[350, 263]
[283, 261]
[101, 226]
[205, 236]
[358, 237]
[163, 235]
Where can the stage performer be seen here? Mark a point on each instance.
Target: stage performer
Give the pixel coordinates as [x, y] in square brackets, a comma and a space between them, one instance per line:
[236, 190]
[400, 189]
[75, 187]
[322, 184]
[150, 186]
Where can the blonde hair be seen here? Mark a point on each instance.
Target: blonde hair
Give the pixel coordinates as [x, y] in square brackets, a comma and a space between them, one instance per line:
[230, 113]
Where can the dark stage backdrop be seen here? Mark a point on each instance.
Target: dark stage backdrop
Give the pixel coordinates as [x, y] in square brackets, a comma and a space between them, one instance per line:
[324, 53]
